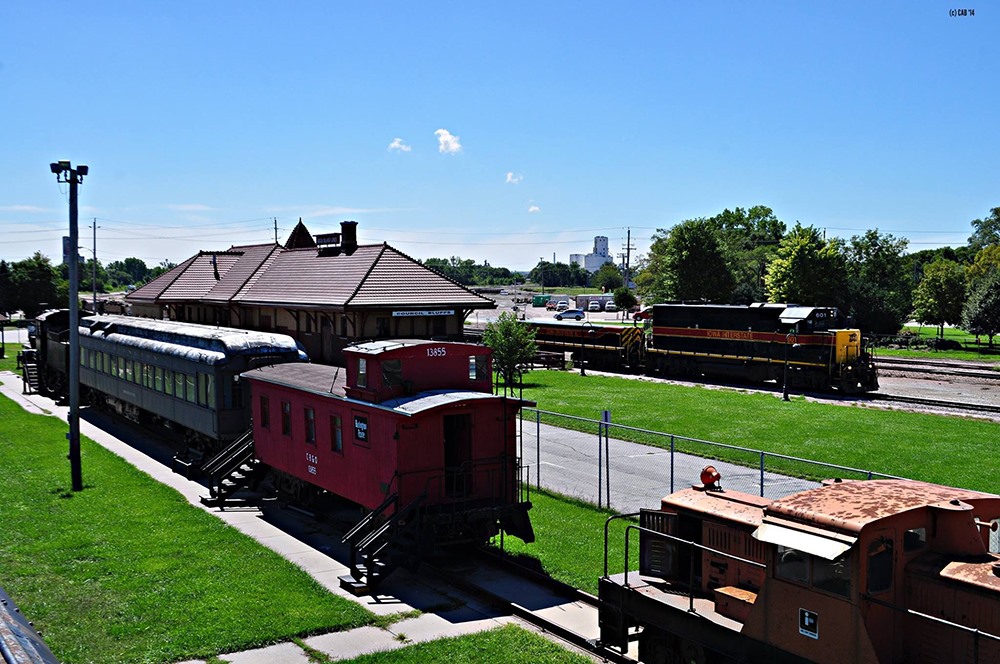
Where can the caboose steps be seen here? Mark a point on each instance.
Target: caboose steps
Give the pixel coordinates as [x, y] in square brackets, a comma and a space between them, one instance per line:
[234, 468]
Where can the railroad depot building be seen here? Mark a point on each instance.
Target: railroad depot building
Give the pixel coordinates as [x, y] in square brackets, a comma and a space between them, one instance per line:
[327, 292]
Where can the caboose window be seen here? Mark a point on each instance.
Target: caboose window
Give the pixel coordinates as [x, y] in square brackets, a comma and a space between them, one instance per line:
[362, 372]
[392, 372]
[286, 418]
[477, 367]
[336, 434]
[310, 417]
[265, 412]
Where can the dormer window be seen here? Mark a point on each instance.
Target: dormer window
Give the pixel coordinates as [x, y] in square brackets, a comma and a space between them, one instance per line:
[362, 372]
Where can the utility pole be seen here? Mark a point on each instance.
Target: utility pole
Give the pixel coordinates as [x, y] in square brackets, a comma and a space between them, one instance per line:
[64, 172]
[93, 277]
[628, 256]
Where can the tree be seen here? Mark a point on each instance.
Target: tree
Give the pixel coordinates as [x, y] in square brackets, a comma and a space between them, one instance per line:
[35, 285]
[981, 313]
[940, 295]
[749, 240]
[686, 263]
[608, 278]
[513, 346]
[879, 288]
[6, 289]
[134, 268]
[987, 230]
[625, 299]
[987, 259]
[807, 270]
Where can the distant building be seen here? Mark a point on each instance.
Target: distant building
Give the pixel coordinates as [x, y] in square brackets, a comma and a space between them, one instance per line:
[593, 261]
[327, 292]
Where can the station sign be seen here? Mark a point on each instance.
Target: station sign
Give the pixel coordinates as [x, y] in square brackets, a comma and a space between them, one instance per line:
[429, 312]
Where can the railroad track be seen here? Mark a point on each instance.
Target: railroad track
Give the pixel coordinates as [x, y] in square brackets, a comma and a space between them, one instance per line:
[937, 368]
[935, 403]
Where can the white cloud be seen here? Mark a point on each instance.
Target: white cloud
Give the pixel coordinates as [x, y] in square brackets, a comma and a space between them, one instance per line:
[398, 144]
[447, 143]
[512, 178]
[534, 208]
[22, 208]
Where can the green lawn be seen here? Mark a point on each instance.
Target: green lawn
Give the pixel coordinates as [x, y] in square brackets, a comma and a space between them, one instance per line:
[505, 645]
[934, 448]
[9, 361]
[127, 571]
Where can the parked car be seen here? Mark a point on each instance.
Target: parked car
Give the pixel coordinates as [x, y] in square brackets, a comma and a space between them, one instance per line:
[595, 305]
[610, 307]
[562, 305]
[575, 314]
[643, 314]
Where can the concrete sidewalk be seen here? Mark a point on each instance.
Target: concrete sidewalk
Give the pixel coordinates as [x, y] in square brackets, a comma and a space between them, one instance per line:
[300, 540]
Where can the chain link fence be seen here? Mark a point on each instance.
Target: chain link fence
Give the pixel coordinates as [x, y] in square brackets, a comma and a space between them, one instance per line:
[626, 468]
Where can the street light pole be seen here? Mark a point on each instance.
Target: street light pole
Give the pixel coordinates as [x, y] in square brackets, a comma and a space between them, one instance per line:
[64, 172]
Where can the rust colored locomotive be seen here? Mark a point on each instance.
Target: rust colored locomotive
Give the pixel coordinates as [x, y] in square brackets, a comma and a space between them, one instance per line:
[411, 432]
[877, 571]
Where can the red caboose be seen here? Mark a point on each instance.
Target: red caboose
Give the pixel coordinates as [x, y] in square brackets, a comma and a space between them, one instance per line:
[411, 431]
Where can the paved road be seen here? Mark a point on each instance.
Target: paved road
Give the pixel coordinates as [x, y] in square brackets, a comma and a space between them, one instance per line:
[640, 474]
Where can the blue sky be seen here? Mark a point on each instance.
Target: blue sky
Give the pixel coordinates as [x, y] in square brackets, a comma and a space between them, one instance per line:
[493, 131]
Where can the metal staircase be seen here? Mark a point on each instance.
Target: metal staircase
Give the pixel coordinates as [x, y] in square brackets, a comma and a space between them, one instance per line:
[232, 469]
[29, 372]
[380, 544]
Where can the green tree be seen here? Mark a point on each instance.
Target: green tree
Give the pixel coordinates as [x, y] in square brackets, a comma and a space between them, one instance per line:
[513, 346]
[608, 278]
[749, 240]
[987, 259]
[625, 299]
[135, 268]
[35, 283]
[879, 289]
[986, 230]
[981, 313]
[6, 289]
[807, 270]
[687, 263]
[939, 297]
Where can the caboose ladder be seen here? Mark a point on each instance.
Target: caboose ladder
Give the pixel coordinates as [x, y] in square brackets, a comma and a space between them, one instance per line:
[380, 544]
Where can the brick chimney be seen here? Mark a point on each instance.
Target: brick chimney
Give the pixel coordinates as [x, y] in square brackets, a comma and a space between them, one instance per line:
[348, 236]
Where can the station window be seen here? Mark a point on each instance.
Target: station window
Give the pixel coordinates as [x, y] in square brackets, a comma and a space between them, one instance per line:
[265, 412]
[286, 418]
[336, 434]
[310, 421]
[362, 372]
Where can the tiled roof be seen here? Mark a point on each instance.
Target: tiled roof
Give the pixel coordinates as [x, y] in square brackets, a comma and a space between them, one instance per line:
[372, 276]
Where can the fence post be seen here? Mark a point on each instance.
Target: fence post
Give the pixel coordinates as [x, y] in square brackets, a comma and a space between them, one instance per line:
[538, 449]
[607, 456]
[671, 463]
[600, 461]
[762, 473]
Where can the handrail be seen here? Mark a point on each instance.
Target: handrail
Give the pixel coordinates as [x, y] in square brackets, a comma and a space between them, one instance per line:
[607, 525]
[368, 517]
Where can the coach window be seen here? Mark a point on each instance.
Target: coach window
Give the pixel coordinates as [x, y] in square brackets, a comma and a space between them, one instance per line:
[310, 417]
[178, 385]
[191, 390]
[83, 356]
[168, 382]
[336, 434]
[158, 379]
[265, 412]
[286, 418]
[362, 372]
[147, 375]
[108, 361]
[121, 368]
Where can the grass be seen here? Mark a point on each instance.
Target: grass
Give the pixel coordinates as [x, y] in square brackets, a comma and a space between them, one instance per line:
[569, 541]
[505, 645]
[127, 571]
[928, 333]
[934, 448]
[9, 361]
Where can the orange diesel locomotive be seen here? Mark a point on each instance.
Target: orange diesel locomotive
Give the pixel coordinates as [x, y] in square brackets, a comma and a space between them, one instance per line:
[854, 571]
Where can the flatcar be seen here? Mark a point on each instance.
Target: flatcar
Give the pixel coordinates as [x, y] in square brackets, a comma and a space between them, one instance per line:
[873, 571]
[181, 374]
[601, 347]
[411, 432]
